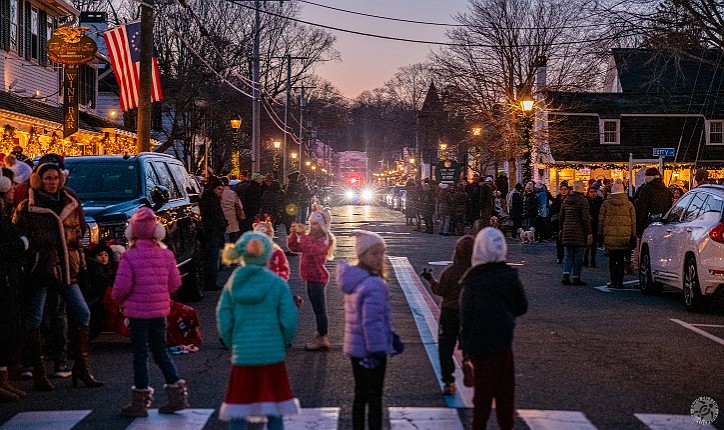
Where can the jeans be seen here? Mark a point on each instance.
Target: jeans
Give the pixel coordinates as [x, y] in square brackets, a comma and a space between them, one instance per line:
[615, 266]
[212, 248]
[368, 386]
[145, 334]
[77, 307]
[317, 293]
[447, 337]
[573, 260]
[275, 423]
[494, 379]
[446, 222]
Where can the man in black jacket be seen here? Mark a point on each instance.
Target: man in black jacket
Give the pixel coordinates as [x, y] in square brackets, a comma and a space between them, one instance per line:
[214, 222]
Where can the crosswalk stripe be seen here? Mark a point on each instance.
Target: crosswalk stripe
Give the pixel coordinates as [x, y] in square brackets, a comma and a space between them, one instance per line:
[313, 419]
[188, 419]
[671, 422]
[424, 419]
[45, 420]
[555, 420]
[425, 313]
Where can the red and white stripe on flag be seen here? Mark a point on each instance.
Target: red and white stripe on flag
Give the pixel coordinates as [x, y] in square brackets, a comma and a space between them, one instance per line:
[123, 44]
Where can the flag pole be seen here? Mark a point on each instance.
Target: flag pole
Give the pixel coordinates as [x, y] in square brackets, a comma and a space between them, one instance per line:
[143, 142]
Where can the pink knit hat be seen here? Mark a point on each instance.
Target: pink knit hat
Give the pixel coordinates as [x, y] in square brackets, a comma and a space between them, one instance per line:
[365, 240]
[145, 225]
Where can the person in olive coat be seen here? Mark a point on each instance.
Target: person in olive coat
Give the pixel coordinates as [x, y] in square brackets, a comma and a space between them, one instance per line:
[617, 227]
[214, 222]
[576, 233]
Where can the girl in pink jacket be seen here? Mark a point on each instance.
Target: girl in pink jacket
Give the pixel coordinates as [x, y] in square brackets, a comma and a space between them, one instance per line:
[146, 277]
[315, 248]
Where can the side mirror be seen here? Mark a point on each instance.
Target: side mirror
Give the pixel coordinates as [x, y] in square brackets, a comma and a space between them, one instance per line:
[160, 196]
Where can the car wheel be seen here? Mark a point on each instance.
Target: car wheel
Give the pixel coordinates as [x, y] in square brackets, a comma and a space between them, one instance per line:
[192, 289]
[646, 280]
[692, 290]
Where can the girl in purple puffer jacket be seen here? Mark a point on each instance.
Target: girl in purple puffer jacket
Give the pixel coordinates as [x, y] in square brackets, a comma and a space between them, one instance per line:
[146, 277]
[368, 334]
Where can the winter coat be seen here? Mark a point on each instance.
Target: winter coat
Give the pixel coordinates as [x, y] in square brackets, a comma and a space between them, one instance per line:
[54, 228]
[212, 214]
[146, 277]
[411, 194]
[491, 299]
[594, 208]
[617, 222]
[515, 206]
[278, 263]
[256, 316]
[367, 312]
[556, 209]
[427, 202]
[449, 285]
[652, 198]
[229, 202]
[575, 220]
[272, 200]
[487, 202]
[11, 321]
[501, 183]
[443, 202]
[313, 252]
[530, 205]
[542, 196]
[252, 199]
[97, 278]
[458, 203]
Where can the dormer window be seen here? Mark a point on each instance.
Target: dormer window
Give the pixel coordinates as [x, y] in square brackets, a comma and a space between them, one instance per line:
[715, 132]
[610, 131]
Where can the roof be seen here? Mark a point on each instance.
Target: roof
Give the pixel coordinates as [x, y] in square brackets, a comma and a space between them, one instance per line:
[35, 108]
[665, 72]
[612, 105]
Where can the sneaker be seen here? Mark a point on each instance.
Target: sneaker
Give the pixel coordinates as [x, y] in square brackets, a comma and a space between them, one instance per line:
[61, 372]
[577, 281]
[27, 373]
[468, 373]
[559, 261]
[448, 389]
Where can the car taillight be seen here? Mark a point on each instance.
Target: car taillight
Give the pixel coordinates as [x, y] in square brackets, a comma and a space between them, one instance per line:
[717, 233]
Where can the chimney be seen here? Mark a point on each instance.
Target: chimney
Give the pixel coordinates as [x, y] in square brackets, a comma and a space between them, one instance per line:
[540, 74]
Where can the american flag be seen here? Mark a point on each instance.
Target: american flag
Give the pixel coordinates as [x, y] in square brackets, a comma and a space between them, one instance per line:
[124, 49]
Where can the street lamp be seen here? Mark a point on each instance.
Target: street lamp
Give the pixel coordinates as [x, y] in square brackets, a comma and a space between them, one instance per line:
[235, 123]
[294, 161]
[277, 144]
[477, 131]
[527, 105]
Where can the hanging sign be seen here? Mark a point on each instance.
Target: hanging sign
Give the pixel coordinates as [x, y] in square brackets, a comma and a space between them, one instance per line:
[70, 100]
[447, 171]
[69, 45]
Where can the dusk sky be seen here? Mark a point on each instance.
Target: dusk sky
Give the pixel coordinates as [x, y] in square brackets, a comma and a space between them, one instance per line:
[368, 62]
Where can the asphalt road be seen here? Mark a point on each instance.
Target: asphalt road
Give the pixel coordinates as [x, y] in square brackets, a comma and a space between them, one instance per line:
[607, 355]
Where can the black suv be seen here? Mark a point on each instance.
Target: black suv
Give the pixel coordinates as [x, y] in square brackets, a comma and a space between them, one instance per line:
[112, 188]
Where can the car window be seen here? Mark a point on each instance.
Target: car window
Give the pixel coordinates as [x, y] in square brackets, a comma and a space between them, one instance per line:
[164, 176]
[674, 214]
[104, 181]
[694, 209]
[183, 179]
[712, 209]
[151, 179]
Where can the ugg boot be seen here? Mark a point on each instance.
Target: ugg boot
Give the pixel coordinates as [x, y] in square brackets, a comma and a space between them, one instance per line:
[566, 279]
[178, 397]
[5, 385]
[40, 379]
[81, 366]
[140, 401]
[319, 343]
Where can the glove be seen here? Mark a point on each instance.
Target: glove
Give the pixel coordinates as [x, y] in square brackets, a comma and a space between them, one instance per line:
[371, 361]
[426, 274]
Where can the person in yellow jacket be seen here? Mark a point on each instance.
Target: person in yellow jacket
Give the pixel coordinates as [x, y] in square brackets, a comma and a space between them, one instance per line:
[617, 226]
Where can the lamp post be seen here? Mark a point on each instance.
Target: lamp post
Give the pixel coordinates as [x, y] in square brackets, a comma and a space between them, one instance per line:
[526, 105]
[235, 123]
[443, 148]
[294, 161]
[412, 165]
[277, 144]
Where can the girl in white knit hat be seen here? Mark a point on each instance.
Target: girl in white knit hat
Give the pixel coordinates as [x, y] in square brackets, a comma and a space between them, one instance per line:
[316, 247]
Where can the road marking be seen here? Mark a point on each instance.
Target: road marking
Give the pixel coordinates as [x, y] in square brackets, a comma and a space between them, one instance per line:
[606, 289]
[555, 420]
[440, 263]
[45, 420]
[699, 331]
[671, 422]
[424, 419]
[313, 419]
[426, 314]
[188, 419]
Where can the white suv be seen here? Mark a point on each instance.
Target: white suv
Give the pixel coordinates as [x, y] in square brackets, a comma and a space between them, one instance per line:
[685, 248]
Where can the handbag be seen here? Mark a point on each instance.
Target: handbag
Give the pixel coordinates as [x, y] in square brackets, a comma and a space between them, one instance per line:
[240, 215]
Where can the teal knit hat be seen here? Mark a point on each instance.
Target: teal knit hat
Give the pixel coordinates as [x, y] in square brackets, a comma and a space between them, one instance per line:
[252, 248]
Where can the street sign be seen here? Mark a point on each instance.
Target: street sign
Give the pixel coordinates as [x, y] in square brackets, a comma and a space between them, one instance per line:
[663, 152]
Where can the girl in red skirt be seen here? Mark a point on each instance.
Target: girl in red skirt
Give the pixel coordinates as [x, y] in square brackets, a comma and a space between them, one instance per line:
[256, 318]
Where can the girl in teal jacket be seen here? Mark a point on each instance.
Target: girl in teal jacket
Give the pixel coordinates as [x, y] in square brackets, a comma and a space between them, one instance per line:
[256, 318]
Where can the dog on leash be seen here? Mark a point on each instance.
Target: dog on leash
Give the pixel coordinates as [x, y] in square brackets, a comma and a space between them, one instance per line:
[526, 236]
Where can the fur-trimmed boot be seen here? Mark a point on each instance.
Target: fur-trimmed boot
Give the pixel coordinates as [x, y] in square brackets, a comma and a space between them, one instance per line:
[81, 366]
[140, 401]
[319, 343]
[40, 379]
[178, 397]
[5, 385]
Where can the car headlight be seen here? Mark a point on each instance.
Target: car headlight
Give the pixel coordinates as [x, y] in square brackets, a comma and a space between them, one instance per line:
[349, 194]
[367, 195]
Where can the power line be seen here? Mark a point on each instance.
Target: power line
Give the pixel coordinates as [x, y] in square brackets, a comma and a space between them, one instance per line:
[426, 42]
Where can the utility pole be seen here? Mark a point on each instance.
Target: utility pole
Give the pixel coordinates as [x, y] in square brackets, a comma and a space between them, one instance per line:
[256, 99]
[288, 59]
[302, 104]
[143, 139]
